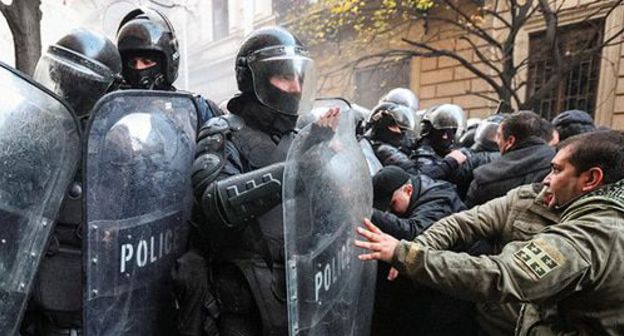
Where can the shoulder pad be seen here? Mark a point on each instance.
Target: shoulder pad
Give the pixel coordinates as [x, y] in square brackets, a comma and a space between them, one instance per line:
[221, 125]
[235, 122]
[214, 126]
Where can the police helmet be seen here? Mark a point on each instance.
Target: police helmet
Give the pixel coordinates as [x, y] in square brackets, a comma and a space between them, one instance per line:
[401, 96]
[270, 53]
[81, 67]
[146, 31]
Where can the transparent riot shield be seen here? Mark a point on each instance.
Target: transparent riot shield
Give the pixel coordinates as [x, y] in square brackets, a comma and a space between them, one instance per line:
[39, 153]
[321, 105]
[140, 151]
[371, 159]
[327, 194]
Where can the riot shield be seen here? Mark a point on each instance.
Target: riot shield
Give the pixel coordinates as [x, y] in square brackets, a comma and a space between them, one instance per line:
[140, 150]
[322, 104]
[327, 194]
[371, 159]
[39, 152]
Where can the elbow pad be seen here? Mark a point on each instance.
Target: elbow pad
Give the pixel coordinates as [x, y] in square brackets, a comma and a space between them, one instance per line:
[237, 200]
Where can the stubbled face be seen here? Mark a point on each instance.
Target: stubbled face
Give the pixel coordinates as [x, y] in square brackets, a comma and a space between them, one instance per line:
[401, 200]
[563, 183]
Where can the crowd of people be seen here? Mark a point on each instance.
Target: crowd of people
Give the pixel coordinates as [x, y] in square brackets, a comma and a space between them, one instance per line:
[510, 225]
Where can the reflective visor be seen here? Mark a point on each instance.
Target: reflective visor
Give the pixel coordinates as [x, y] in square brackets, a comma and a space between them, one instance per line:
[284, 79]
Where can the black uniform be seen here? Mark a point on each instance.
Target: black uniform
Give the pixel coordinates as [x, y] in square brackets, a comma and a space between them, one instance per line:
[237, 180]
[56, 304]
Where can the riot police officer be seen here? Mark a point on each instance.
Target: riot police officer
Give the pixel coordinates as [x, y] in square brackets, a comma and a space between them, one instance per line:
[150, 55]
[439, 127]
[407, 98]
[149, 50]
[237, 180]
[387, 128]
[81, 67]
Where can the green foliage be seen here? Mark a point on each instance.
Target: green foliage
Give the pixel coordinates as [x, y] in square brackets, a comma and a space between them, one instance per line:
[329, 20]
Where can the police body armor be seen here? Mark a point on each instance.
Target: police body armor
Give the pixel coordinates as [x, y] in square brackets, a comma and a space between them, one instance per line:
[327, 194]
[40, 141]
[245, 215]
[138, 198]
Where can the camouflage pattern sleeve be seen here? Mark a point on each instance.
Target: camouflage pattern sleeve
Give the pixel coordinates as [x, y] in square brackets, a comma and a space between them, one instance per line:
[548, 267]
[466, 227]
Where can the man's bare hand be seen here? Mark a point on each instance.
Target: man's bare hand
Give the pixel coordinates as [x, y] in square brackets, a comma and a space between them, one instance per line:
[330, 118]
[381, 245]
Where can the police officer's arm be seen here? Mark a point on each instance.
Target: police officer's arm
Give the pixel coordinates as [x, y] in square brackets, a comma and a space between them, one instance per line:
[391, 156]
[441, 171]
[227, 196]
[464, 228]
[549, 267]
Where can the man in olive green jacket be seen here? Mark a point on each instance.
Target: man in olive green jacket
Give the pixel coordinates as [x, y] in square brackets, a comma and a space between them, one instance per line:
[568, 275]
[517, 216]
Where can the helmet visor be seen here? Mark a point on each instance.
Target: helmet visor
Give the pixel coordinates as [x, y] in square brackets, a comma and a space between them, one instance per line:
[80, 82]
[284, 79]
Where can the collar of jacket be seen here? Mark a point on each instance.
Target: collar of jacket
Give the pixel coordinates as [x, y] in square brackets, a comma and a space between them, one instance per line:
[610, 195]
[528, 142]
[261, 117]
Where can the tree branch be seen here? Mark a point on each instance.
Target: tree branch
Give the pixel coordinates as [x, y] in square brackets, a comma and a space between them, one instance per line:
[480, 55]
[498, 16]
[467, 29]
[434, 52]
[484, 96]
[479, 31]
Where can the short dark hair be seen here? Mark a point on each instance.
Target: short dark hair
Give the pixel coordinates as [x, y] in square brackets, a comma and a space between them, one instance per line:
[522, 125]
[604, 149]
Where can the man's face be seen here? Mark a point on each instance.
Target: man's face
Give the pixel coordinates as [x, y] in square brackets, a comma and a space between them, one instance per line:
[141, 63]
[503, 143]
[564, 183]
[288, 83]
[401, 200]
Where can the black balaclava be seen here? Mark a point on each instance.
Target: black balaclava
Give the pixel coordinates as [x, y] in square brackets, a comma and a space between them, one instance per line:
[440, 145]
[152, 78]
[383, 134]
[261, 117]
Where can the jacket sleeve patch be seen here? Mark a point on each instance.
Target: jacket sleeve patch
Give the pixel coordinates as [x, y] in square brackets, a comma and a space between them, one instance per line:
[535, 260]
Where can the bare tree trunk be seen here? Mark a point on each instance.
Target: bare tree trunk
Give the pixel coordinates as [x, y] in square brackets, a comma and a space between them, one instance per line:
[24, 20]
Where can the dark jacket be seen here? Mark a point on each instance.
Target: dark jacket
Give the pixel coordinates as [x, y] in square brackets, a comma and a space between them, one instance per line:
[431, 164]
[463, 176]
[400, 307]
[528, 162]
[390, 155]
[431, 200]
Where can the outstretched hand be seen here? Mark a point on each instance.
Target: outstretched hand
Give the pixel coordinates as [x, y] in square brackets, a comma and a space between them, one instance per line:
[381, 246]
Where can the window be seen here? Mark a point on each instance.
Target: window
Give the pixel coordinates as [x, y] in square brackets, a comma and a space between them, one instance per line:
[375, 81]
[220, 20]
[578, 89]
